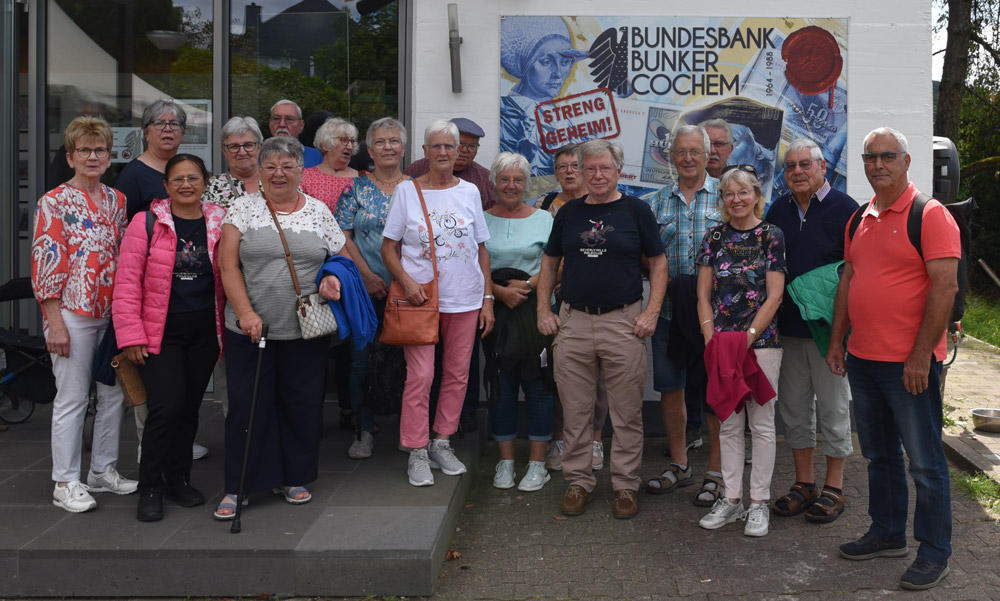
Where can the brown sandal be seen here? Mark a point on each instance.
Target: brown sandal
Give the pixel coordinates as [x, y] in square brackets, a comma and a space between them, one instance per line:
[827, 507]
[716, 492]
[799, 498]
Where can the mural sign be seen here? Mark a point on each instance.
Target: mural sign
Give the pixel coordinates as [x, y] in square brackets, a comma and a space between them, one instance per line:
[634, 80]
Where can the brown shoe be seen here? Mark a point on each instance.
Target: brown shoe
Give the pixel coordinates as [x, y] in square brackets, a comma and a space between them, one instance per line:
[575, 501]
[626, 504]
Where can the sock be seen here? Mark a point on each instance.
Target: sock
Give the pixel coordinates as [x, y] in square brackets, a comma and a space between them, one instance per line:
[832, 489]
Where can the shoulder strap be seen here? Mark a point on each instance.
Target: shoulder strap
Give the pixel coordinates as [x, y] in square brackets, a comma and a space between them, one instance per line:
[288, 254]
[915, 221]
[232, 185]
[430, 230]
[856, 220]
[548, 200]
[150, 221]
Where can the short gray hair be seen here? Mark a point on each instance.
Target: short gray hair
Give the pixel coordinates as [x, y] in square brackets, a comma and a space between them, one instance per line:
[281, 146]
[686, 130]
[506, 161]
[237, 126]
[441, 126]
[333, 128]
[164, 105]
[597, 148]
[721, 124]
[385, 123]
[571, 148]
[298, 109]
[805, 144]
[886, 131]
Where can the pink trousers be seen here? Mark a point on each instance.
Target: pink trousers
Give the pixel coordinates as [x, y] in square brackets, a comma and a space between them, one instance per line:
[458, 334]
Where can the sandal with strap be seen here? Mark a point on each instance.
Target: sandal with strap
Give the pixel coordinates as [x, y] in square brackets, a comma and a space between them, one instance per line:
[827, 507]
[664, 485]
[706, 487]
[228, 504]
[291, 494]
[799, 498]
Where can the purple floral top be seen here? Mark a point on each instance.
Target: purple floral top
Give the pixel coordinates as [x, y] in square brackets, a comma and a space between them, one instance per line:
[740, 261]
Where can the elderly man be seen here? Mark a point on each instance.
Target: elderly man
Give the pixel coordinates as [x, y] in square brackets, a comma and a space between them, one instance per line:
[813, 217]
[286, 120]
[602, 238]
[720, 135]
[684, 210]
[897, 301]
[466, 167]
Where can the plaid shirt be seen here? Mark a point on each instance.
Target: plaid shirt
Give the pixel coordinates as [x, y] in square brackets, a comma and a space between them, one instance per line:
[683, 226]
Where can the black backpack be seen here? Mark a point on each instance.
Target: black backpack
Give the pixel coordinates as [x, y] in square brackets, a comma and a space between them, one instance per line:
[961, 212]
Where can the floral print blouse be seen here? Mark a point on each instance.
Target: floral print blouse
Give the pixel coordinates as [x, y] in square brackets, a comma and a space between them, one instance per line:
[363, 208]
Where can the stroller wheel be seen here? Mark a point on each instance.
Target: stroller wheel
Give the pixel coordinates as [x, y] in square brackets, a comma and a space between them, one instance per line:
[14, 410]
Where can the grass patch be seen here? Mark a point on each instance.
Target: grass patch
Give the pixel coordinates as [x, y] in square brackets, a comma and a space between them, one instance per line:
[982, 318]
[982, 488]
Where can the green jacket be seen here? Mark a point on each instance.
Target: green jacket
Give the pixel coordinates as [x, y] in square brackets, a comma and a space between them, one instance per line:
[814, 293]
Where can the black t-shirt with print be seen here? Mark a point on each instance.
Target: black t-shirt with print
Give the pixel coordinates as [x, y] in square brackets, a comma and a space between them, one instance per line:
[602, 245]
[193, 284]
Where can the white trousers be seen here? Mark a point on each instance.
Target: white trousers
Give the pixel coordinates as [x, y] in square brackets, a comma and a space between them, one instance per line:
[69, 409]
[761, 420]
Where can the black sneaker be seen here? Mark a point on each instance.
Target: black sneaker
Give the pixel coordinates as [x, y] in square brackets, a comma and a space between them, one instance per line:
[150, 508]
[922, 575]
[184, 494]
[870, 546]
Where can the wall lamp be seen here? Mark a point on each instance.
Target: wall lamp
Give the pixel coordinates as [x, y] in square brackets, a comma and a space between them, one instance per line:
[454, 43]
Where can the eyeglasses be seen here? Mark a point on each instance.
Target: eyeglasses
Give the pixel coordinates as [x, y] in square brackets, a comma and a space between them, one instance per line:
[181, 179]
[272, 169]
[100, 152]
[246, 146]
[444, 147]
[682, 153]
[744, 194]
[887, 157]
[160, 124]
[721, 144]
[284, 119]
[345, 141]
[391, 142]
[469, 147]
[564, 167]
[805, 165]
[506, 181]
[748, 168]
[604, 169]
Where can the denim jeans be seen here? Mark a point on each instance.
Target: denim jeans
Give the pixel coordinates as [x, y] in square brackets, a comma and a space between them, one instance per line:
[537, 406]
[887, 415]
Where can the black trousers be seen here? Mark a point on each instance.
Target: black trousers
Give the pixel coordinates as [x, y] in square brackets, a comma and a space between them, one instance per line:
[284, 446]
[175, 381]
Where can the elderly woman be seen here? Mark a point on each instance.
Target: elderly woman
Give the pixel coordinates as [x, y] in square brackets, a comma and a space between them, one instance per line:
[78, 226]
[241, 140]
[464, 298]
[141, 180]
[361, 213]
[259, 290]
[569, 176]
[337, 140]
[518, 234]
[740, 282]
[168, 304]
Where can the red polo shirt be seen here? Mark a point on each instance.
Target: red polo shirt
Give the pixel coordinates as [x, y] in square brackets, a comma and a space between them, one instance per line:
[889, 289]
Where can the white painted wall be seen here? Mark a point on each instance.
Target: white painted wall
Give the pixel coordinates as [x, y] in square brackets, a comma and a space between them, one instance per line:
[888, 64]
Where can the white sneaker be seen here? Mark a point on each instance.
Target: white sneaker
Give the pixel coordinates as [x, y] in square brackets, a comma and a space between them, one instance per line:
[110, 481]
[504, 478]
[73, 497]
[598, 453]
[554, 455]
[442, 457]
[198, 451]
[362, 449]
[536, 477]
[758, 518]
[418, 469]
[723, 512]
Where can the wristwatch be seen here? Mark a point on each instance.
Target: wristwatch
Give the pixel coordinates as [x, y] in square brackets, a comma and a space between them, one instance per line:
[753, 331]
[489, 297]
[527, 283]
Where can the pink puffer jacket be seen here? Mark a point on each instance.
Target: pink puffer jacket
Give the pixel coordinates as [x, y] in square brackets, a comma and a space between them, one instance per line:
[142, 283]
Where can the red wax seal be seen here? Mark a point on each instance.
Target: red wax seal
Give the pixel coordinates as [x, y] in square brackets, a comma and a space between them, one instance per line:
[812, 60]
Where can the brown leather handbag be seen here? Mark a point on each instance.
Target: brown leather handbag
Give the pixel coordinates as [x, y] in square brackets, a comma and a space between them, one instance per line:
[406, 324]
[128, 378]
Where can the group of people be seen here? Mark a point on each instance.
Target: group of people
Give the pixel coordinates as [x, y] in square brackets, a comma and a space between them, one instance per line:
[186, 266]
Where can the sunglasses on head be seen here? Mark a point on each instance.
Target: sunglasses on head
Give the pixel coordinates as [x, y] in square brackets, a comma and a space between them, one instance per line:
[748, 168]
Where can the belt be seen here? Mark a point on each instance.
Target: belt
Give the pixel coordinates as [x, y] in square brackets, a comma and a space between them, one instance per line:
[592, 310]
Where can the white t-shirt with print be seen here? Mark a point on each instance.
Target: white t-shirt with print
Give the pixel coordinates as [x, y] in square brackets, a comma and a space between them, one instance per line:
[459, 228]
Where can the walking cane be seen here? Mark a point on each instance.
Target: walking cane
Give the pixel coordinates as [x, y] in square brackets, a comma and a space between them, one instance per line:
[235, 529]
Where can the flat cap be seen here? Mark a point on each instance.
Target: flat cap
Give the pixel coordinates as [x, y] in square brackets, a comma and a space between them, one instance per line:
[468, 126]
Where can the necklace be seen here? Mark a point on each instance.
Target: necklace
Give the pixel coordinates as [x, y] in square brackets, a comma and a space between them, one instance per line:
[294, 207]
[391, 184]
